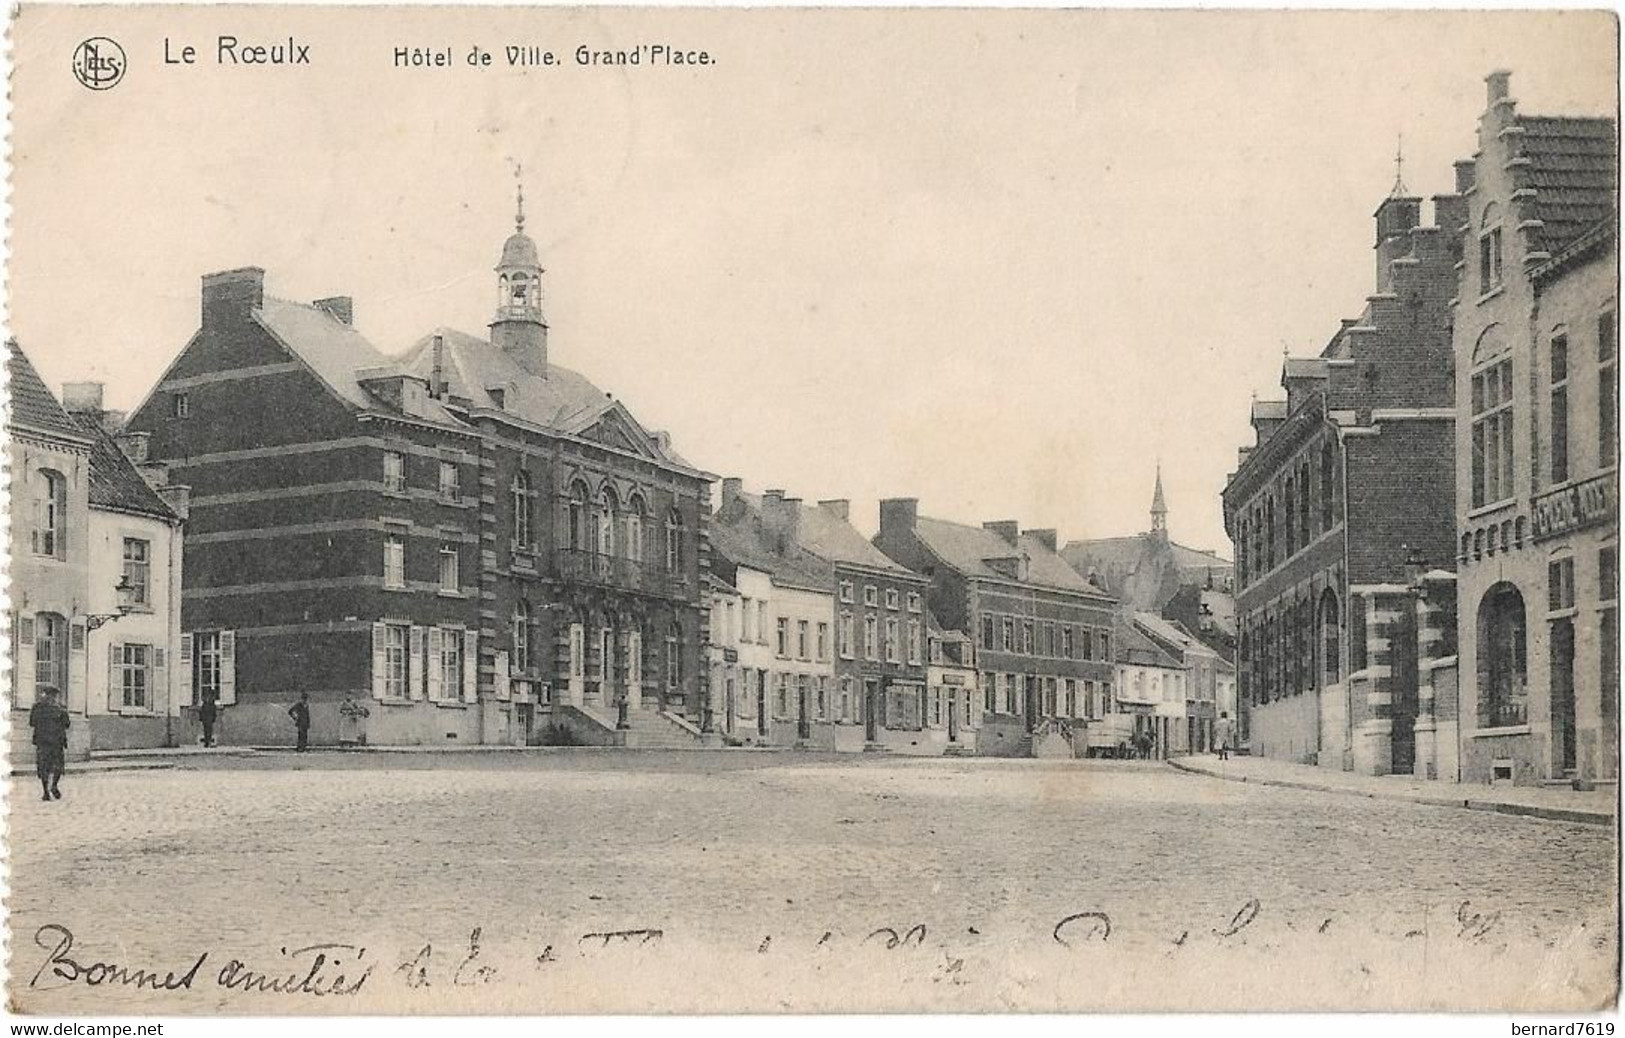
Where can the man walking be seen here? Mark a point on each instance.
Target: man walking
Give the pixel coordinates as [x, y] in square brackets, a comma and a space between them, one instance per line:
[300, 712]
[1224, 733]
[207, 714]
[50, 722]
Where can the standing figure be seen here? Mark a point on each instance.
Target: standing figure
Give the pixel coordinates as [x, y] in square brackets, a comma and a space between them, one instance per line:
[50, 722]
[300, 712]
[207, 714]
[1224, 734]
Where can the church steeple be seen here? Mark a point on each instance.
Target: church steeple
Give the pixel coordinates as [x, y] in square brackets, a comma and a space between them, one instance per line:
[1159, 507]
[519, 328]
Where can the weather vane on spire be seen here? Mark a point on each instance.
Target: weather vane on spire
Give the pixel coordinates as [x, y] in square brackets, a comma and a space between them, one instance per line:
[1399, 167]
[519, 216]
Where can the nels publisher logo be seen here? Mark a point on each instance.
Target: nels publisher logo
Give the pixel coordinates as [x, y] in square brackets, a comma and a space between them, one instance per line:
[99, 63]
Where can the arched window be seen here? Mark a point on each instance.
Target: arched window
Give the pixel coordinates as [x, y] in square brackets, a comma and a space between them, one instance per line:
[522, 535]
[1492, 417]
[674, 541]
[50, 653]
[1331, 639]
[579, 535]
[519, 290]
[50, 513]
[1503, 693]
[606, 522]
[521, 636]
[632, 537]
[1466, 547]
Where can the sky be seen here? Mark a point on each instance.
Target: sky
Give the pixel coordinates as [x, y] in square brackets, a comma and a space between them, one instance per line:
[1000, 261]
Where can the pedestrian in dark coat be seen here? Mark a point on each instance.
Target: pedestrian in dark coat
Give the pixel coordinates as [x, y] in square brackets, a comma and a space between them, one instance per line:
[206, 714]
[300, 712]
[50, 722]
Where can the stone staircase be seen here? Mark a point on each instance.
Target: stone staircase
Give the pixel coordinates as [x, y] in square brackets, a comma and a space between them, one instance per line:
[649, 729]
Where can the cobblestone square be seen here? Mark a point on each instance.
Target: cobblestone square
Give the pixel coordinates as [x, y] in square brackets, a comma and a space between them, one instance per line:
[581, 880]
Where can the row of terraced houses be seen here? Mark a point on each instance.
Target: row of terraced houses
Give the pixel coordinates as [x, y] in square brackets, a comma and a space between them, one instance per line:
[1426, 528]
[469, 543]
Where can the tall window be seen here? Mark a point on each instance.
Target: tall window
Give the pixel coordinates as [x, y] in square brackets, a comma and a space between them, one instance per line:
[674, 541]
[448, 566]
[843, 636]
[50, 513]
[1502, 658]
[394, 472]
[632, 541]
[891, 640]
[521, 636]
[871, 637]
[605, 522]
[823, 641]
[395, 560]
[1560, 583]
[50, 652]
[580, 536]
[1560, 409]
[451, 662]
[1303, 505]
[1489, 251]
[450, 489]
[1492, 433]
[803, 649]
[871, 595]
[1068, 643]
[1331, 633]
[745, 632]
[1328, 465]
[1007, 643]
[782, 646]
[1269, 535]
[131, 663]
[674, 657]
[206, 664]
[914, 641]
[1607, 391]
[137, 570]
[522, 536]
[990, 633]
[1291, 517]
[395, 650]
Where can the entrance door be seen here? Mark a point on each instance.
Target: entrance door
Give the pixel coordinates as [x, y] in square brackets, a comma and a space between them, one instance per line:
[953, 714]
[1032, 702]
[728, 705]
[761, 702]
[1563, 734]
[803, 720]
[871, 711]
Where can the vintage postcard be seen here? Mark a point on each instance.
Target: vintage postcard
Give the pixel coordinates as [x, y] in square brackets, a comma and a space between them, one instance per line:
[612, 510]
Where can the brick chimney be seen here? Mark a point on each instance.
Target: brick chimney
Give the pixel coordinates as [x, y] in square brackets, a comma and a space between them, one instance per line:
[1396, 218]
[781, 518]
[1466, 176]
[732, 487]
[1497, 87]
[82, 398]
[230, 295]
[341, 307]
[898, 515]
[1008, 529]
[837, 506]
[1044, 537]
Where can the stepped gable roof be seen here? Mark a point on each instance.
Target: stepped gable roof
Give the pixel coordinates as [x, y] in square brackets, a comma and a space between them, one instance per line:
[742, 542]
[33, 405]
[339, 354]
[966, 549]
[115, 483]
[1573, 165]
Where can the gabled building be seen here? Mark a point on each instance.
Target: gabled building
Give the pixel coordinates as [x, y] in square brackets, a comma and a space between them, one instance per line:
[1339, 503]
[953, 708]
[787, 662]
[467, 544]
[1148, 705]
[878, 615]
[1537, 474]
[1200, 683]
[1043, 633]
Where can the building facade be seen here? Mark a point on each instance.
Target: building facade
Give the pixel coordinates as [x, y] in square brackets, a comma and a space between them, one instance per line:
[1200, 682]
[1043, 633]
[468, 544]
[1537, 480]
[1149, 706]
[1346, 490]
[953, 693]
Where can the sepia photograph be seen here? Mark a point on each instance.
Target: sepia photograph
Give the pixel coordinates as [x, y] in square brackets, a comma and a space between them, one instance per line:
[566, 511]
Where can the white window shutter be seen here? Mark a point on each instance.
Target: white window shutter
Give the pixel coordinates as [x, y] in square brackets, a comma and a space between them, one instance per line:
[228, 667]
[380, 659]
[471, 666]
[499, 683]
[634, 659]
[160, 679]
[115, 691]
[436, 664]
[187, 673]
[414, 663]
[22, 663]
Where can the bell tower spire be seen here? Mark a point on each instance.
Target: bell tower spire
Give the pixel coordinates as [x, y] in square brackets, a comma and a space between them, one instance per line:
[519, 328]
[1159, 508]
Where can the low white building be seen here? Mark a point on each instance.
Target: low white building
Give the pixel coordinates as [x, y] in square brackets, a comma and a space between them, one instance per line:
[1149, 689]
[953, 697]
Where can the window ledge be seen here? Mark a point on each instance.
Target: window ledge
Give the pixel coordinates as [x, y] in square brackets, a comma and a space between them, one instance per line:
[447, 704]
[396, 587]
[443, 593]
[1493, 506]
[1495, 733]
[1491, 294]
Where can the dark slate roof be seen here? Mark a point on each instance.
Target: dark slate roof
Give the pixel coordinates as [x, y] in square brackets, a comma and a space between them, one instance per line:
[967, 549]
[1572, 167]
[835, 540]
[115, 482]
[32, 404]
[1133, 647]
[740, 540]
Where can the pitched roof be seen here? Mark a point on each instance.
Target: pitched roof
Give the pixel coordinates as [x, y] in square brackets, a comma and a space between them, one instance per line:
[834, 539]
[967, 549]
[32, 404]
[1303, 367]
[1171, 632]
[741, 541]
[1572, 167]
[1134, 647]
[115, 482]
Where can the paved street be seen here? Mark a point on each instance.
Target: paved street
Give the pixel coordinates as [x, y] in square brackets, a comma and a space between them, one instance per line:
[1038, 885]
